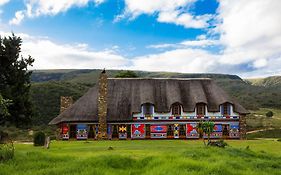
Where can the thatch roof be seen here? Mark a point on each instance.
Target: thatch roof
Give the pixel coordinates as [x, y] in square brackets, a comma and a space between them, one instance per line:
[126, 95]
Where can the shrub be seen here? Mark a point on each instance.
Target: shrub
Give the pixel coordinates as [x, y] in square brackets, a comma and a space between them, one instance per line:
[269, 114]
[6, 151]
[219, 143]
[39, 139]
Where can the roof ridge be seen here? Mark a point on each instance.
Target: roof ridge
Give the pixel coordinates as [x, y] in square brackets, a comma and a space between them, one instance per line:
[160, 78]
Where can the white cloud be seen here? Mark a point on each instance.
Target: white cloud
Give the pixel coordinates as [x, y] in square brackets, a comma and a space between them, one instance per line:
[168, 11]
[200, 43]
[178, 60]
[35, 8]
[250, 31]
[19, 15]
[2, 2]
[51, 55]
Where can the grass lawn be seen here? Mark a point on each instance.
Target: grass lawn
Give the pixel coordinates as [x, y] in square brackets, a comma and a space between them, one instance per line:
[146, 157]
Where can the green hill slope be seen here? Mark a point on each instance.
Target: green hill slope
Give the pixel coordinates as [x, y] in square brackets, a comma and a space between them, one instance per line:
[267, 82]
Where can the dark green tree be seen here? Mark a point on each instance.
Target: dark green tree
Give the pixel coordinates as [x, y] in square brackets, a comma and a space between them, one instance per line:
[126, 74]
[15, 80]
[269, 114]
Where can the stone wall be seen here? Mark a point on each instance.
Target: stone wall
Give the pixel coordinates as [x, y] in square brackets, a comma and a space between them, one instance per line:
[65, 102]
[102, 106]
[243, 129]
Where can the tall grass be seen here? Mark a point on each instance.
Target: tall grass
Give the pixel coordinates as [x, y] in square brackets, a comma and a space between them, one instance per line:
[146, 157]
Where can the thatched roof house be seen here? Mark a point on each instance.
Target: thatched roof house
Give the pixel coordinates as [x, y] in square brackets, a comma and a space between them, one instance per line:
[125, 97]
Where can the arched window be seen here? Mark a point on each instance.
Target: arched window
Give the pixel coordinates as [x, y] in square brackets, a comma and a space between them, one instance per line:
[200, 109]
[225, 109]
[176, 109]
[147, 109]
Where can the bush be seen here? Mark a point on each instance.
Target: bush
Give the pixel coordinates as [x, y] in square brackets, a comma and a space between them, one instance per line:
[219, 143]
[39, 139]
[6, 151]
[269, 114]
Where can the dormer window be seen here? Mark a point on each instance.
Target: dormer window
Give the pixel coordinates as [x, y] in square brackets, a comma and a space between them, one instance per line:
[225, 109]
[176, 109]
[200, 109]
[147, 109]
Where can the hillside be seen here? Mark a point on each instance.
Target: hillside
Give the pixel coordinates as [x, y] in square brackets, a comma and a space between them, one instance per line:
[49, 85]
[266, 82]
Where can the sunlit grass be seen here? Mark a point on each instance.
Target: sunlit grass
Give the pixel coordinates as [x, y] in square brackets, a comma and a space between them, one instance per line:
[146, 157]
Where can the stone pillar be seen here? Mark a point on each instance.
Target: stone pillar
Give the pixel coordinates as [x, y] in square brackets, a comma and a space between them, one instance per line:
[102, 106]
[65, 102]
[242, 124]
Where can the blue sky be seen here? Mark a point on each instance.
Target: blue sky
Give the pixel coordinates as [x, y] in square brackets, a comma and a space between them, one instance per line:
[201, 36]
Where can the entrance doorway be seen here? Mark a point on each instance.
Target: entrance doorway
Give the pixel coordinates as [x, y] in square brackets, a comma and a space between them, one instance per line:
[72, 131]
[91, 133]
[225, 130]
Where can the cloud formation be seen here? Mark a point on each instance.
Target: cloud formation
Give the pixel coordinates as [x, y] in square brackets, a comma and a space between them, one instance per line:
[2, 2]
[36, 8]
[167, 11]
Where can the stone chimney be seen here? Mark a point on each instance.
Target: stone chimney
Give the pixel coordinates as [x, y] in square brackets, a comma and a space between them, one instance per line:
[65, 102]
[102, 106]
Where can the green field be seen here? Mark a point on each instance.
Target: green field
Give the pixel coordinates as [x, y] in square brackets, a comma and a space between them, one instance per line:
[146, 157]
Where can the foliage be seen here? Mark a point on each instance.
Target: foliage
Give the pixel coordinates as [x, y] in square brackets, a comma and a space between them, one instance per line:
[218, 143]
[4, 104]
[15, 80]
[6, 147]
[39, 139]
[46, 98]
[270, 133]
[206, 127]
[126, 74]
[6, 151]
[269, 114]
[146, 157]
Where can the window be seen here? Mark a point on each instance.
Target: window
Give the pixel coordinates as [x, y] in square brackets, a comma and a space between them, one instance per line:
[226, 109]
[170, 131]
[147, 109]
[182, 130]
[200, 109]
[176, 109]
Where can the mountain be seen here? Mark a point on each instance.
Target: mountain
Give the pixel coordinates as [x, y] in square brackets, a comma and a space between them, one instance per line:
[49, 85]
[266, 82]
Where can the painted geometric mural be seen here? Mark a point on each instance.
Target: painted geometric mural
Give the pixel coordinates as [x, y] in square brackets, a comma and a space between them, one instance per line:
[122, 129]
[158, 131]
[82, 131]
[234, 130]
[176, 131]
[138, 131]
[191, 131]
[65, 134]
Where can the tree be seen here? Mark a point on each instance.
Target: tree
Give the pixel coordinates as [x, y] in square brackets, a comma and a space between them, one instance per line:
[4, 103]
[269, 114]
[205, 127]
[15, 80]
[126, 74]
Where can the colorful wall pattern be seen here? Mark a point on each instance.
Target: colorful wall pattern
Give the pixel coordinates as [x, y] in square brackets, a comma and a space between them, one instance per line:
[158, 131]
[176, 131]
[64, 130]
[138, 131]
[191, 131]
[82, 131]
[122, 131]
[234, 130]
